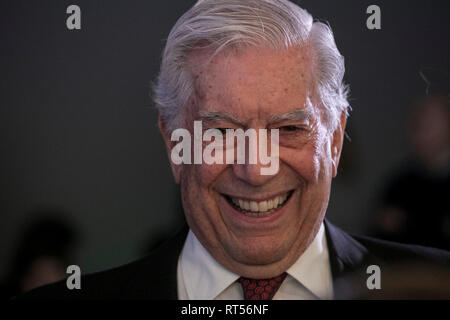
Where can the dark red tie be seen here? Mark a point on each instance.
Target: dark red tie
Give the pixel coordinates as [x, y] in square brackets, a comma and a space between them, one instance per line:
[261, 289]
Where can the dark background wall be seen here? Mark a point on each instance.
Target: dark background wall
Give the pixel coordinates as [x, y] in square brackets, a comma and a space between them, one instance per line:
[78, 129]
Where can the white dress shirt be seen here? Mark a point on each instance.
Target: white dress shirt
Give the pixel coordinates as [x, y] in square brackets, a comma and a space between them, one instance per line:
[201, 277]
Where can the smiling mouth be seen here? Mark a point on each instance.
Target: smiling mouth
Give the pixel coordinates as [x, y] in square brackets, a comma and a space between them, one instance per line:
[259, 209]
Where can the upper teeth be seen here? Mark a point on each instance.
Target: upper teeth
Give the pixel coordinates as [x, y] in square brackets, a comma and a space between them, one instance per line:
[262, 206]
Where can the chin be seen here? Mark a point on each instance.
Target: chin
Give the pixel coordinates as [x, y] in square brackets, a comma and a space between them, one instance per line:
[257, 251]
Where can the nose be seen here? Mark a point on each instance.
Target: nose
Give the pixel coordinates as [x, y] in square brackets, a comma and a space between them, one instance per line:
[251, 173]
[254, 170]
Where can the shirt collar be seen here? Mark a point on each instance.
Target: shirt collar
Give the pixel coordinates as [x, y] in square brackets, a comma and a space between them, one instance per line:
[205, 278]
[312, 269]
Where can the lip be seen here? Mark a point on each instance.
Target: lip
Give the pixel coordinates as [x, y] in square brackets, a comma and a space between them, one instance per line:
[271, 218]
[257, 199]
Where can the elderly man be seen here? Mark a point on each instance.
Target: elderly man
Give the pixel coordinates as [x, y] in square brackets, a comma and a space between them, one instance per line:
[261, 64]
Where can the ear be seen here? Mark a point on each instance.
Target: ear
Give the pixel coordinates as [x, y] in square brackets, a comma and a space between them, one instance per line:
[336, 144]
[176, 168]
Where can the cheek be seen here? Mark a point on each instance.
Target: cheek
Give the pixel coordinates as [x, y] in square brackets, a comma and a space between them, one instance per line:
[312, 162]
[199, 202]
[324, 161]
[305, 162]
[201, 178]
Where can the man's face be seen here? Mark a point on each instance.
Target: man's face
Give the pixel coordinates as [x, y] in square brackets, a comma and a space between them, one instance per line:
[262, 89]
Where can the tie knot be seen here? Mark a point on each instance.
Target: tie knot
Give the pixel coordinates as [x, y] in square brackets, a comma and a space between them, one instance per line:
[261, 289]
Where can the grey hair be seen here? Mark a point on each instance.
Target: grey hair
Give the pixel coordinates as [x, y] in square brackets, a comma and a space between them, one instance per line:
[221, 24]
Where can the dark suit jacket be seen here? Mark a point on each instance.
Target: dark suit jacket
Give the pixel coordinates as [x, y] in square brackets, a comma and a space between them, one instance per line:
[155, 276]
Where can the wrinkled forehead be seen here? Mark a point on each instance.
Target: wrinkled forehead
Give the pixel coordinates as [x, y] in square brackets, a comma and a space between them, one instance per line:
[251, 82]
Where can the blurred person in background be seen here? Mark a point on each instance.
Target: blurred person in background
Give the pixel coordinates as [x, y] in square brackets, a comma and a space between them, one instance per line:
[415, 206]
[43, 253]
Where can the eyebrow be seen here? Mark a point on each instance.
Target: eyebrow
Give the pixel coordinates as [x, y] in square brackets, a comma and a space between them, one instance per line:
[215, 116]
[293, 115]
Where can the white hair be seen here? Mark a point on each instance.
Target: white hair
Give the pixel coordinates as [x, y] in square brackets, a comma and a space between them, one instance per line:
[221, 24]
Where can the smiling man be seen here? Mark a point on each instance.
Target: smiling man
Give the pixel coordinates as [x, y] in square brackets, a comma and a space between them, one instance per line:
[261, 65]
[261, 87]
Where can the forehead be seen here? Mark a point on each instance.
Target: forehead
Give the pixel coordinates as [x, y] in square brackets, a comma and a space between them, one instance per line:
[251, 82]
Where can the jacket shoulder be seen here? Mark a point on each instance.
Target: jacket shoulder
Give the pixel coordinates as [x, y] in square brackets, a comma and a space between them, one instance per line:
[394, 252]
[408, 271]
[152, 277]
[99, 285]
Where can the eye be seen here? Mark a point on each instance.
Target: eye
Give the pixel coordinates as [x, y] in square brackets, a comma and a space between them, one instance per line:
[291, 128]
[223, 130]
